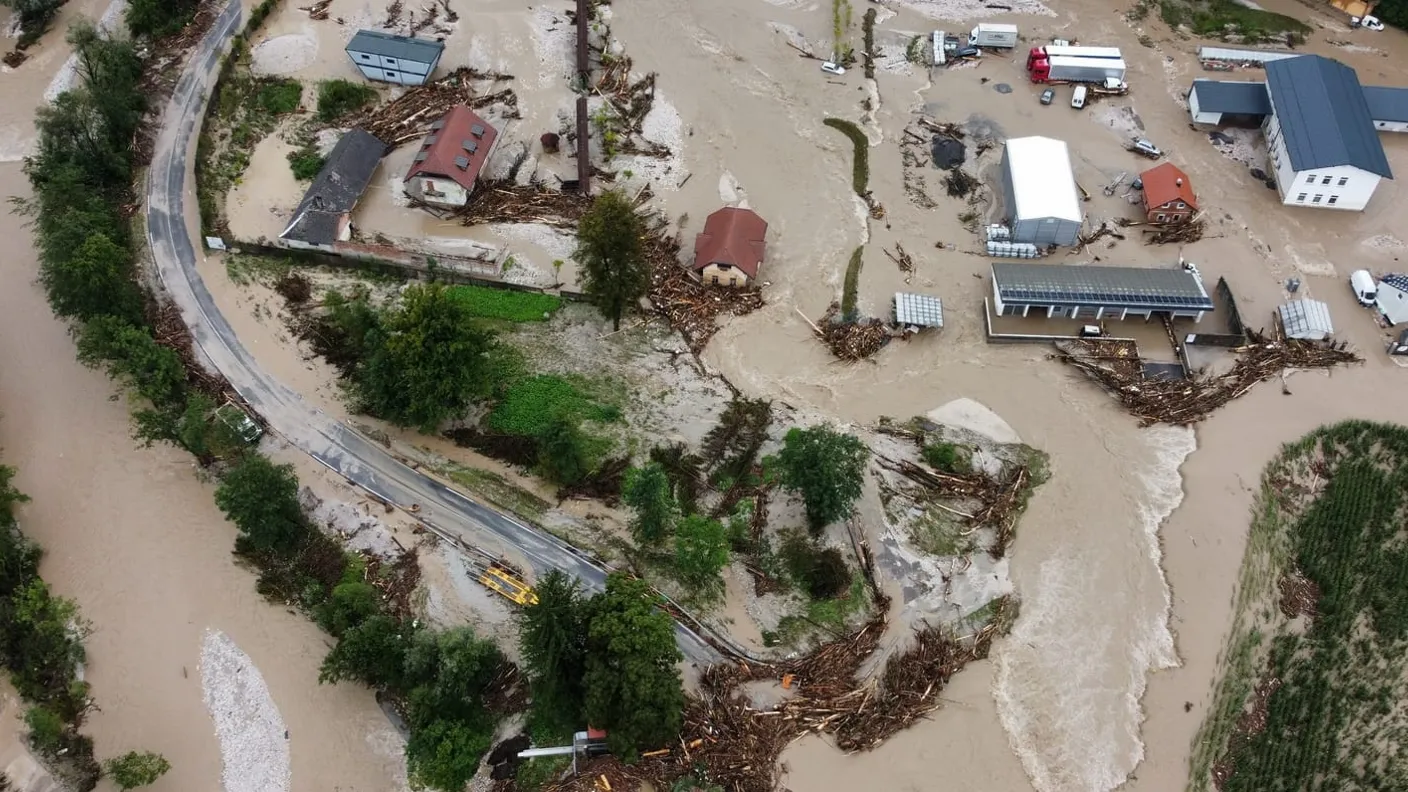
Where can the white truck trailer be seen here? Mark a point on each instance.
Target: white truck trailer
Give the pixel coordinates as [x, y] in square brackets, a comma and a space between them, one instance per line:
[990, 35]
[1104, 72]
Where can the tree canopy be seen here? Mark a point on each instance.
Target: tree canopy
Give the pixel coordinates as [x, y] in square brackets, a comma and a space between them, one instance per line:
[159, 18]
[133, 769]
[827, 468]
[562, 451]
[647, 491]
[701, 551]
[552, 635]
[261, 499]
[632, 687]
[373, 653]
[426, 359]
[613, 269]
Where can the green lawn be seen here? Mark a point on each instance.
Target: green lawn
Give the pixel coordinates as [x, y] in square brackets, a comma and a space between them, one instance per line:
[506, 304]
[531, 404]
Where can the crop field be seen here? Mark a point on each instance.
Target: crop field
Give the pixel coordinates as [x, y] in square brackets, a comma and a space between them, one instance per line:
[1312, 692]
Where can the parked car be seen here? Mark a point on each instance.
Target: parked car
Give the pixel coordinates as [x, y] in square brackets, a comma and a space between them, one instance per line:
[832, 67]
[967, 52]
[1048, 95]
[1078, 97]
[1366, 22]
[1145, 148]
[1364, 288]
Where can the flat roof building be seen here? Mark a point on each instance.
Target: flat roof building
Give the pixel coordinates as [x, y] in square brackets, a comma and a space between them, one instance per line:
[918, 311]
[1306, 320]
[1040, 191]
[402, 60]
[1096, 292]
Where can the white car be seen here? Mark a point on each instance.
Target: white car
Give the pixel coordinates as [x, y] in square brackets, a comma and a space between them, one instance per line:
[1366, 22]
[832, 67]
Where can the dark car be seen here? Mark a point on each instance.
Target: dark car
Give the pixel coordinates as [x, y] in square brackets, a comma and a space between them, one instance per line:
[967, 52]
[1048, 95]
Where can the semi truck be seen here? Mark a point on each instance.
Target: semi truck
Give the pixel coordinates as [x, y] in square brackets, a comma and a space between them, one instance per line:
[1107, 73]
[990, 35]
[1053, 50]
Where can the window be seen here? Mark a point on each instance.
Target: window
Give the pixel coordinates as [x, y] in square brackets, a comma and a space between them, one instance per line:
[1310, 179]
[1343, 180]
[1325, 180]
[1317, 198]
[1333, 200]
[1161, 218]
[1300, 198]
[716, 280]
[1182, 205]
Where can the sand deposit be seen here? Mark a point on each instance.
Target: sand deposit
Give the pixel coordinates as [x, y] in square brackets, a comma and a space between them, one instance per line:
[253, 737]
[287, 54]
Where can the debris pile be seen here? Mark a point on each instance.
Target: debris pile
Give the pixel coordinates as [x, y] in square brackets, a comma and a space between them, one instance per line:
[689, 306]
[902, 259]
[318, 10]
[172, 332]
[736, 746]
[396, 582]
[1165, 233]
[959, 183]
[851, 340]
[408, 116]
[1100, 233]
[914, 156]
[1184, 402]
[507, 202]
[630, 100]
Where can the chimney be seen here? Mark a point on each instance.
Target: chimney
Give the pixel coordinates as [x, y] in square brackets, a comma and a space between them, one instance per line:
[1178, 182]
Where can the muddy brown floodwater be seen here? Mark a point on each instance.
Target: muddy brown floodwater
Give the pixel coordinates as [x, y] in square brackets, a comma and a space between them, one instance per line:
[134, 536]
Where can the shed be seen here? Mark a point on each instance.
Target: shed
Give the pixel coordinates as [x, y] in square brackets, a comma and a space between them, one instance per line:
[324, 216]
[1168, 194]
[730, 249]
[1096, 292]
[1393, 298]
[1228, 103]
[1041, 201]
[917, 311]
[445, 169]
[1306, 320]
[1388, 107]
[402, 60]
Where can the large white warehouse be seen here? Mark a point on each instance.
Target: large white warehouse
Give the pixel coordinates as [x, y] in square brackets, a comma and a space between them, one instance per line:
[1039, 189]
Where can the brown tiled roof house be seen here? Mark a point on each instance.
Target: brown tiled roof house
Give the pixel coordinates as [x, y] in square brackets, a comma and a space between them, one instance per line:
[445, 169]
[1168, 194]
[730, 250]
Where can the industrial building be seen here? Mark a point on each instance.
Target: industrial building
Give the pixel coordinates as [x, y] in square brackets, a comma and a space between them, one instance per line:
[1039, 188]
[324, 216]
[1320, 124]
[1095, 292]
[1306, 320]
[445, 169]
[402, 60]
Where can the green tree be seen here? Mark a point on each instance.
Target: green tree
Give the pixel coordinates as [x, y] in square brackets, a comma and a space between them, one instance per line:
[562, 452]
[133, 769]
[111, 71]
[337, 98]
[45, 648]
[647, 491]
[10, 497]
[701, 551]
[135, 359]
[614, 271]
[94, 281]
[632, 687]
[428, 359]
[158, 18]
[827, 468]
[372, 653]
[447, 672]
[261, 499]
[352, 602]
[46, 729]
[35, 16]
[552, 635]
[445, 754]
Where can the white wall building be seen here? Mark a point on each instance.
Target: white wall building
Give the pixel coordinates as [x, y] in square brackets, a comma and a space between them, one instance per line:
[1393, 298]
[1039, 191]
[403, 60]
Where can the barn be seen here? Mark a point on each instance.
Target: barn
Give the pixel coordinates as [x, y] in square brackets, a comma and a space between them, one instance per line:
[1040, 191]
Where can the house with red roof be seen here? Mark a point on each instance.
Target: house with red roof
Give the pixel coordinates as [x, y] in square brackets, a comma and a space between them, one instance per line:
[447, 165]
[729, 251]
[1168, 194]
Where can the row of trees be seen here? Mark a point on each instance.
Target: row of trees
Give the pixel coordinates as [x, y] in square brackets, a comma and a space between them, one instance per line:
[608, 660]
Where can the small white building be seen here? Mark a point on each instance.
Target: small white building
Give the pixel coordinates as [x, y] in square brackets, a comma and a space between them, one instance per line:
[1042, 205]
[1393, 298]
[1324, 149]
[1306, 320]
[402, 60]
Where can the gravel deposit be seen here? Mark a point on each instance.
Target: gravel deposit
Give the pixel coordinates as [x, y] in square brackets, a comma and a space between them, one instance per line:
[253, 737]
[284, 54]
[553, 41]
[960, 10]
[661, 125]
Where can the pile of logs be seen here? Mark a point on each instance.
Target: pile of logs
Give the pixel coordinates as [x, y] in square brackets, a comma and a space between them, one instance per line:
[410, 115]
[850, 340]
[1184, 402]
[1100, 233]
[396, 584]
[507, 202]
[1165, 233]
[959, 183]
[691, 307]
[318, 10]
[902, 259]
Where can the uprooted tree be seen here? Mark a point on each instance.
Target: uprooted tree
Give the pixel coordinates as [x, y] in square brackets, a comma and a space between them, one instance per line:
[614, 270]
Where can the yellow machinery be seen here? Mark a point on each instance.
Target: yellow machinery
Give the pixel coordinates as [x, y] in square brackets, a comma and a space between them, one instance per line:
[502, 577]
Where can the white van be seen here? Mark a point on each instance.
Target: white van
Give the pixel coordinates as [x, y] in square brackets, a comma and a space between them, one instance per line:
[1365, 290]
[1078, 97]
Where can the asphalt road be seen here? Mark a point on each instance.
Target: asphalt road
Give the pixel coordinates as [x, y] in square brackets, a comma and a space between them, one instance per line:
[341, 449]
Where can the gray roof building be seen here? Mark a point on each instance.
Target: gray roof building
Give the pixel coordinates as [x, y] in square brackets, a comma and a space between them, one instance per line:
[1385, 103]
[396, 59]
[1120, 288]
[1323, 116]
[919, 310]
[1237, 98]
[1307, 320]
[335, 191]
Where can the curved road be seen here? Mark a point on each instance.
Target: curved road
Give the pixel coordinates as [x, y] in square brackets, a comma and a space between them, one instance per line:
[328, 441]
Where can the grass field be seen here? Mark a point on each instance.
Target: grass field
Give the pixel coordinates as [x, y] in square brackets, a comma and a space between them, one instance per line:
[1312, 686]
[504, 304]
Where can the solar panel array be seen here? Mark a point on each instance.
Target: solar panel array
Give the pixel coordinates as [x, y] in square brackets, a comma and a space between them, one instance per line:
[1128, 287]
[918, 309]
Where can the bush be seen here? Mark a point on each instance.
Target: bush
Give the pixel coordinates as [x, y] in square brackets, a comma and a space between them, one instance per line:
[46, 729]
[279, 96]
[851, 287]
[860, 167]
[337, 98]
[948, 458]
[562, 452]
[35, 16]
[530, 405]
[305, 162]
[822, 572]
[506, 304]
[133, 769]
[159, 18]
